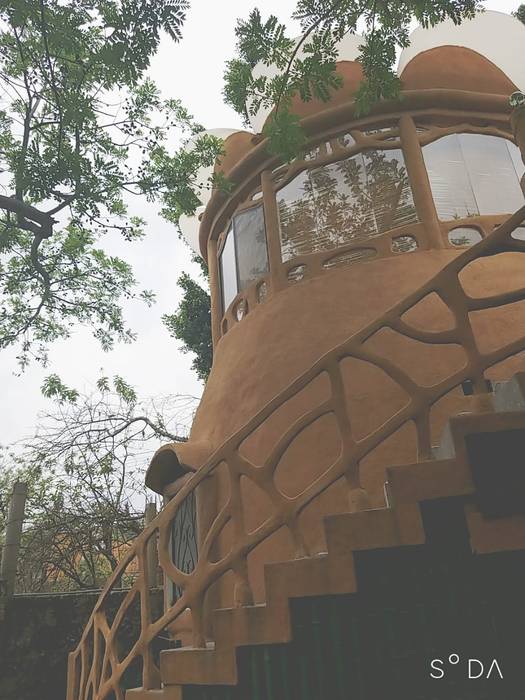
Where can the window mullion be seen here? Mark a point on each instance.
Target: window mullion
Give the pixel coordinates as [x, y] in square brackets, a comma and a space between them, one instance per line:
[419, 181]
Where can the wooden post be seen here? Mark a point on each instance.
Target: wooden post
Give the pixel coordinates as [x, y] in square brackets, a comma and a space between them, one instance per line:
[152, 556]
[13, 536]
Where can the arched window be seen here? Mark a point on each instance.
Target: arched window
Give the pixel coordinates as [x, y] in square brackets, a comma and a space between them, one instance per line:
[184, 552]
[474, 174]
[351, 200]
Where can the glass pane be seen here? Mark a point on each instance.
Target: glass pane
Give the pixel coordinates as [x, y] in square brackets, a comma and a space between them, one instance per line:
[297, 216]
[449, 181]
[389, 189]
[463, 236]
[517, 160]
[184, 539]
[351, 200]
[228, 271]
[492, 173]
[250, 238]
[473, 174]
[404, 244]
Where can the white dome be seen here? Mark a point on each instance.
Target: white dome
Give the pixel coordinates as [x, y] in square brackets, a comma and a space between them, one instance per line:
[189, 225]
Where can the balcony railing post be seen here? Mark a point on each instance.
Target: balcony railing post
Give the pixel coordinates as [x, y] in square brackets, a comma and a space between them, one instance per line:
[13, 536]
[152, 555]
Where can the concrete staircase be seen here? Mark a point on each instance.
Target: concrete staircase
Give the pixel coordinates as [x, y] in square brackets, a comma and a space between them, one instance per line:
[332, 573]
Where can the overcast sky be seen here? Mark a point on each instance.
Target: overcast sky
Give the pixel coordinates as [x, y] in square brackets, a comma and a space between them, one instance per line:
[154, 364]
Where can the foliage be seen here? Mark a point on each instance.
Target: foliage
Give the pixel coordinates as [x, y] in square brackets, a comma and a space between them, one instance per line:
[306, 68]
[191, 323]
[85, 469]
[81, 128]
[520, 13]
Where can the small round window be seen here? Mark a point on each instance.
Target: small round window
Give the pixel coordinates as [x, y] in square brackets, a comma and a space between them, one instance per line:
[461, 237]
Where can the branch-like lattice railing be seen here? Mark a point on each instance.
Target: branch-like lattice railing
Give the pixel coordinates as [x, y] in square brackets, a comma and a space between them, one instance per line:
[98, 667]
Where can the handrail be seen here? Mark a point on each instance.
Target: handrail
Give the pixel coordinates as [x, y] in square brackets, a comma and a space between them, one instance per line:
[95, 667]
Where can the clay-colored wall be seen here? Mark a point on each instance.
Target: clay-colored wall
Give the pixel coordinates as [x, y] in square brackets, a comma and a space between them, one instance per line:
[284, 336]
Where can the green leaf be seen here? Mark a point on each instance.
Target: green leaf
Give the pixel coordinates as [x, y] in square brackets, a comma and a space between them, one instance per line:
[54, 388]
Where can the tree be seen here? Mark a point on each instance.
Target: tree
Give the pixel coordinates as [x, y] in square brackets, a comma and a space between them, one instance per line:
[81, 128]
[520, 13]
[85, 468]
[307, 67]
[191, 323]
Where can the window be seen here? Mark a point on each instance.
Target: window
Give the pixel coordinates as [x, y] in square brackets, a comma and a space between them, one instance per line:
[228, 270]
[250, 238]
[352, 200]
[244, 256]
[474, 174]
[184, 539]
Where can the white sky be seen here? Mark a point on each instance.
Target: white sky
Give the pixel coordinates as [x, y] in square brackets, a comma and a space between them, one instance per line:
[191, 71]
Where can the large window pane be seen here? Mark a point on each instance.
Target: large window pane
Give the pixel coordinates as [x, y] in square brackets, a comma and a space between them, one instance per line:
[297, 216]
[244, 257]
[389, 189]
[250, 239]
[472, 174]
[517, 161]
[351, 200]
[449, 180]
[492, 173]
[228, 271]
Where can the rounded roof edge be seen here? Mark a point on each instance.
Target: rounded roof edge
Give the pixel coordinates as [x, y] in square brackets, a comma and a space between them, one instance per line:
[173, 460]
[189, 225]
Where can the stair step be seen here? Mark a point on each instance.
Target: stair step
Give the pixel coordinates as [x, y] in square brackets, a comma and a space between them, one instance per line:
[252, 624]
[423, 481]
[333, 572]
[173, 692]
[190, 666]
[510, 395]
[310, 576]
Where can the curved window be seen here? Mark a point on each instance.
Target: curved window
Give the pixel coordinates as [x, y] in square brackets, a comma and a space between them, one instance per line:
[351, 200]
[463, 236]
[184, 552]
[244, 254]
[474, 174]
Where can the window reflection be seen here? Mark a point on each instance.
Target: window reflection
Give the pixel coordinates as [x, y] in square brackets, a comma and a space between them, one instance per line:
[351, 200]
[184, 550]
[228, 271]
[463, 236]
[474, 174]
[250, 238]
[244, 256]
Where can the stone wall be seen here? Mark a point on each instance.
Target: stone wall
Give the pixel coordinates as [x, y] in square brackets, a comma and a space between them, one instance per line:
[37, 633]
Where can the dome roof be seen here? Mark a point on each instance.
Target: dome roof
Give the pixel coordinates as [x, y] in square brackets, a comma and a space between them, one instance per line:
[348, 51]
[479, 55]
[494, 36]
[189, 225]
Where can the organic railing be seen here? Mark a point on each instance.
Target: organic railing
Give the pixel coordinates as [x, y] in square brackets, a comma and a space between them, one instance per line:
[98, 665]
